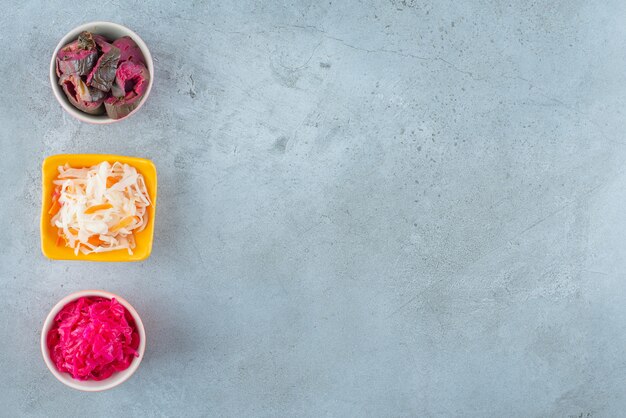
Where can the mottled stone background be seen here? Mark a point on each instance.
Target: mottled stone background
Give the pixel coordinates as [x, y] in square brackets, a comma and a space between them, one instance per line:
[366, 208]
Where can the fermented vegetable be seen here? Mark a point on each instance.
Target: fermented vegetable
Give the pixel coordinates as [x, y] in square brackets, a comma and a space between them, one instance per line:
[92, 70]
[93, 337]
[131, 81]
[85, 98]
[77, 57]
[100, 208]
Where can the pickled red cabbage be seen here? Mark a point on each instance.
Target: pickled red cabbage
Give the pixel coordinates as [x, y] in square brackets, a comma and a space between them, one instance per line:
[93, 337]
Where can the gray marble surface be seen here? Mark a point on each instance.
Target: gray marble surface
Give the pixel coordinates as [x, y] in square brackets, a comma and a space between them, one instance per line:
[386, 209]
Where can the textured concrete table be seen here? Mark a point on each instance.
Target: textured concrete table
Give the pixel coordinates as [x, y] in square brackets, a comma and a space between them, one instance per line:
[394, 208]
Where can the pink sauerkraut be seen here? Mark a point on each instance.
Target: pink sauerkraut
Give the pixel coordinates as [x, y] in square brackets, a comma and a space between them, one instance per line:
[93, 337]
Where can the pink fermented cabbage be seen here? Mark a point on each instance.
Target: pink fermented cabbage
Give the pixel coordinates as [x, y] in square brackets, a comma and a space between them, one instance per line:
[93, 337]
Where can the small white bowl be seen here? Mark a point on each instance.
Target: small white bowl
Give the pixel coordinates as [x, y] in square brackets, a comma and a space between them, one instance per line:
[109, 30]
[91, 385]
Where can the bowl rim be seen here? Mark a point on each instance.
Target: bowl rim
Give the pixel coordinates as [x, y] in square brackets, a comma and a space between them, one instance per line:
[150, 174]
[77, 384]
[60, 96]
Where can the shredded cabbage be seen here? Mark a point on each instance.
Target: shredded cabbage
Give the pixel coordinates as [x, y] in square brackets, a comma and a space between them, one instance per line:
[99, 208]
[93, 337]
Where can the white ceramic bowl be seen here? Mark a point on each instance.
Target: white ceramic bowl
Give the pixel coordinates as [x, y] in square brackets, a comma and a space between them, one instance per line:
[111, 31]
[91, 385]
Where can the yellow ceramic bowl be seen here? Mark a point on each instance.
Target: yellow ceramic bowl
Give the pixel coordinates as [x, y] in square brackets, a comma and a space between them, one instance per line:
[143, 239]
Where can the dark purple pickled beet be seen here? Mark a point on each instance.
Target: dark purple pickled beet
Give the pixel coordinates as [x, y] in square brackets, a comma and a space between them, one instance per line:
[97, 74]
[103, 73]
[129, 50]
[103, 43]
[77, 57]
[131, 81]
[83, 97]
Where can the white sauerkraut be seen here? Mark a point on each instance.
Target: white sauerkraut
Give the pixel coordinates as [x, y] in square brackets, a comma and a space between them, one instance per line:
[100, 208]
